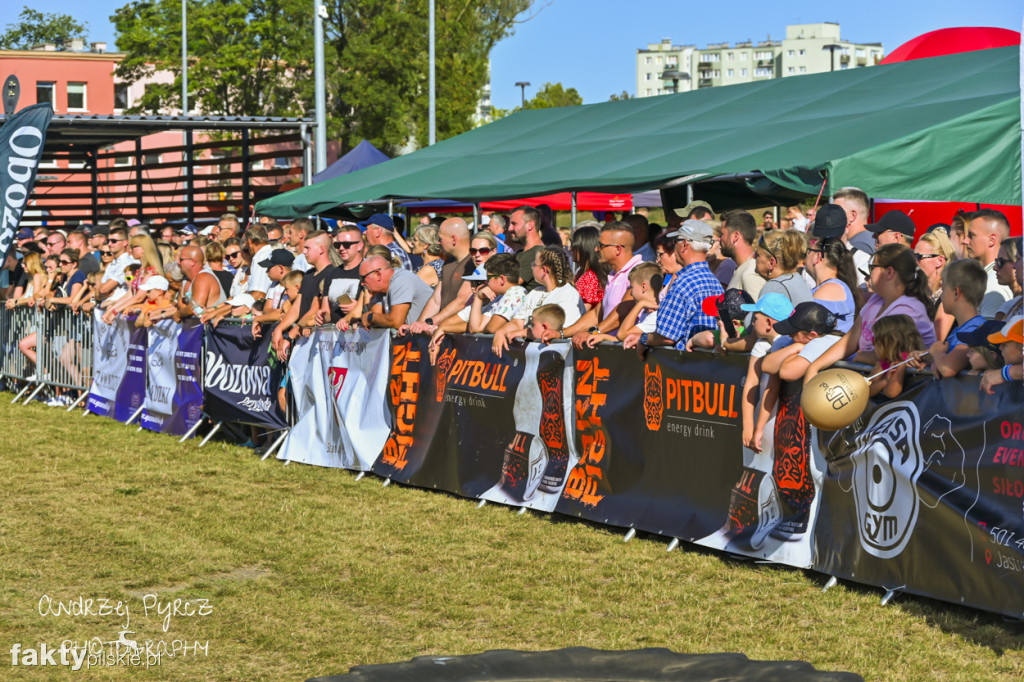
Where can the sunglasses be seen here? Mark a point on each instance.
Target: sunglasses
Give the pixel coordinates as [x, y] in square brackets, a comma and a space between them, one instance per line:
[925, 256]
[349, 245]
[362, 278]
[233, 255]
[114, 240]
[66, 262]
[1000, 262]
[871, 266]
[605, 246]
[483, 252]
[762, 244]
[105, 253]
[53, 243]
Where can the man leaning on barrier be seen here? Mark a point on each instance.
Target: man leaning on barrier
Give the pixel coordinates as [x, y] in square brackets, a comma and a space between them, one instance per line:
[313, 293]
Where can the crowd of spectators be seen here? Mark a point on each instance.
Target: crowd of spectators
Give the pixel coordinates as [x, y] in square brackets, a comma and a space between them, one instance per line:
[817, 287]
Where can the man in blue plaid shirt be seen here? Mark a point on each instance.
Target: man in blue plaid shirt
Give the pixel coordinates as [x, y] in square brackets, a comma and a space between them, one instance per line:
[680, 315]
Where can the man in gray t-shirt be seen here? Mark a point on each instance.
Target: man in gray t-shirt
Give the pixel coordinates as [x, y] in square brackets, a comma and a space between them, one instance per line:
[399, 295]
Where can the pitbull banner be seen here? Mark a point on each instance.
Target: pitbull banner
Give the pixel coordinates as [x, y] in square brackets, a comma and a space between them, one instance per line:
[340, 380]
[242, 379]
[174, 395]
[924, 494]
[660, 440]
[22, 137]
[109, 362]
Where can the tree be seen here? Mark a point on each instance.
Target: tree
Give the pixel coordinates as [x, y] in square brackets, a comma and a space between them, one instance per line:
[256, 58]
[621, 96]
[36, 28]
[554, 95]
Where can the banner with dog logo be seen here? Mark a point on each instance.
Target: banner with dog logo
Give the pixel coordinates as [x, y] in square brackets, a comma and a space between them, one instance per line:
[660, 440]
[924, 494]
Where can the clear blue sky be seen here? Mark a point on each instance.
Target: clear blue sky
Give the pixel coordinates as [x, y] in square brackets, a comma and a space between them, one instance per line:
[591, 44]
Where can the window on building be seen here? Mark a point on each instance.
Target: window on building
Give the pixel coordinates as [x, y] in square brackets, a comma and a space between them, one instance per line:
[844, 66]
[657, 60]
[730, 73]
[46, 92]
[647, 76]
[672, 61]
[661, 91]
[649, 92]
[763, 55]
[790, 70]
[648, 60]
[803, 52]
[762, 72]
[861, 53]
[121, 96]
[743, 73]
[282, 162]
[743, 56]
[730, 56]
[122, 160]
[76, 97]
[792, 53]
[150, 159]
[803, 69]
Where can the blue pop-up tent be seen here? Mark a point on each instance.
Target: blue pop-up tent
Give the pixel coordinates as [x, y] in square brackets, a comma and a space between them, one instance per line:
[362, 156]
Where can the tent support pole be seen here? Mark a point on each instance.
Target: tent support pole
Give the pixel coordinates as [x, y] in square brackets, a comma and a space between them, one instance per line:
[689, 193]
[476, 217]
[574, 210]
[391, 207]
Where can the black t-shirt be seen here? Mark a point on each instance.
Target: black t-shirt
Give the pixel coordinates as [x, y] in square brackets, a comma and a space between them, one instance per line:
[88, 264]
[315, 284]
[225, 278]
[347, 282]
[526, 258]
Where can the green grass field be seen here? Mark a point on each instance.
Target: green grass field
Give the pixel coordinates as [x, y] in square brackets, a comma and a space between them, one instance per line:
[309, 572]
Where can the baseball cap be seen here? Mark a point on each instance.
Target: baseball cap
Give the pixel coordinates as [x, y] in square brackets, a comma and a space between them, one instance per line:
[774, 305]
[694, 230]
[829, 221]
[478, 275]
[188, 229]
[808, 317]
[25, 233]
[208, 230]
[897, 221]
[688, 209]
[155, 282]
[979, 335]
[97, 229]
[278, 257]
[729, 303]
[380, 219]
[1011, 331]
[242, 300]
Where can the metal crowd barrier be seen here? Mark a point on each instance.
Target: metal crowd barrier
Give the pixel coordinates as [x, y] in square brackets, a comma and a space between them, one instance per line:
[63, 351]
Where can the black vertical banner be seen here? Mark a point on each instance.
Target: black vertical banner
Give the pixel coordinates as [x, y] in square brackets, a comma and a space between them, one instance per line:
[925, 494]
[22, 137]
[659, 440]
[241, 378]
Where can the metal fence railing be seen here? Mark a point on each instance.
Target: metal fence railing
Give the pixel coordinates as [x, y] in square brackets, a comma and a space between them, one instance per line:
[63, 348]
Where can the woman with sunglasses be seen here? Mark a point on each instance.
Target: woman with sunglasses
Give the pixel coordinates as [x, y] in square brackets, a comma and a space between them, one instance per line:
[778, 255]
[482, 247]
[934, 251]
[830, 263]
[900, 288]
[1008, 273]
[73, 279]
[241, 260]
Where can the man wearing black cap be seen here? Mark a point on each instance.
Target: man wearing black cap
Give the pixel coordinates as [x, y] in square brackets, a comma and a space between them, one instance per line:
[379, 230]
[277, 266]
[895, 227]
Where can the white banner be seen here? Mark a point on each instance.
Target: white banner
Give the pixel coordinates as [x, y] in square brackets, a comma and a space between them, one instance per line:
[340, 382]
[109, 361]
[160, 376]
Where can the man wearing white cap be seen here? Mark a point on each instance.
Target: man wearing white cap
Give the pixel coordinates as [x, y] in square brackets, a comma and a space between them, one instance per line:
[680, 315]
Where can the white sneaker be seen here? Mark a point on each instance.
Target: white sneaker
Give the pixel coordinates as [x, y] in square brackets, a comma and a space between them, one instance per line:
[31, 377]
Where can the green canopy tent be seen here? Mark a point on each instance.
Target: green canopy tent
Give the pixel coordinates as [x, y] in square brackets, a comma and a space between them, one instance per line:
[942, 129]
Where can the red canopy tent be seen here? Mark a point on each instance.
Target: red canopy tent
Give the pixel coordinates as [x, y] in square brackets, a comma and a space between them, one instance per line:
[951, 41]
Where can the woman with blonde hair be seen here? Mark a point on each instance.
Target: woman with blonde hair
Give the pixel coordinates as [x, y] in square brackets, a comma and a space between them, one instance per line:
[778, 255]
[37, 282]
[1008, 274]
[427, 244]
[143, 249]
[934, 251]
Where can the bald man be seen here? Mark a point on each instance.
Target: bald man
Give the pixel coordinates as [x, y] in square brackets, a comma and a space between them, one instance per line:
[201, 290]
[452, 291]
[398, 295]
[985, 234]
[313, 307]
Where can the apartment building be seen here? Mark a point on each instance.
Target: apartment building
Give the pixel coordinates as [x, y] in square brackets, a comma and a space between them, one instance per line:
[664, 68]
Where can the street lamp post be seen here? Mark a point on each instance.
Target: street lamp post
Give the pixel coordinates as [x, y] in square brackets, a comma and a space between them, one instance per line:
[522, 85]
[831, 54]
[675, 75]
